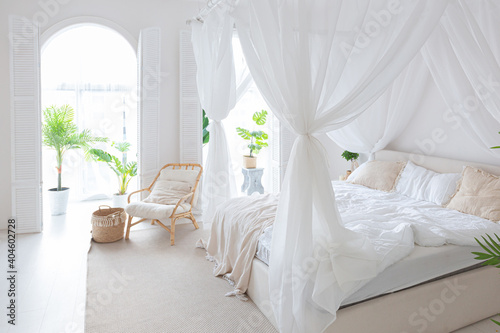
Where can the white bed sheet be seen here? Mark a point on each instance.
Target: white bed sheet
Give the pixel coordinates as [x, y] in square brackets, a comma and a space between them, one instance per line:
[436, 229]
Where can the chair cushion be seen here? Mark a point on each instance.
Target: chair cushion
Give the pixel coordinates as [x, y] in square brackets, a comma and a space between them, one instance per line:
[153, 210]
[182, 175]
[168, 192]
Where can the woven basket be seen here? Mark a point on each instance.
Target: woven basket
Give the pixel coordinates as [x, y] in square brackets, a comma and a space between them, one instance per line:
[108, 224]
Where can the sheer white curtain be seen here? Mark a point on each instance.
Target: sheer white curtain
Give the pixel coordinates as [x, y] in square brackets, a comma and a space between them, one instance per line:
[319, 64]
[212, 45]
[387, 118]
[462, 63]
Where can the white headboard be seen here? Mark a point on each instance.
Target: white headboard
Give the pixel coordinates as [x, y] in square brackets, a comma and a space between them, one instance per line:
[437, 164]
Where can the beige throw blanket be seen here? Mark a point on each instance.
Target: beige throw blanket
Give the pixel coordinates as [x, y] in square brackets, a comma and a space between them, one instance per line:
[236, 228]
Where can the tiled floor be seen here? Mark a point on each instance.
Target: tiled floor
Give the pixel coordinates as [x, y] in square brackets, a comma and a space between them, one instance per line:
[52, 276]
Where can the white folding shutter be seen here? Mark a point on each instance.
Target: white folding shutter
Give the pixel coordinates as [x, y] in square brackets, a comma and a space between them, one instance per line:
[281, 145]
[148, 59]
[190, 108]
[25, 125]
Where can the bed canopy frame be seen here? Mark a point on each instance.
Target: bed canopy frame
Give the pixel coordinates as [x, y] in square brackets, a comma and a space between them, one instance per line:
[320, 65]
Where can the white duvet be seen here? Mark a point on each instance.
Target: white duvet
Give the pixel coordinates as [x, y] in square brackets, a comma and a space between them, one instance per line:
[432, 225]
[366, 210]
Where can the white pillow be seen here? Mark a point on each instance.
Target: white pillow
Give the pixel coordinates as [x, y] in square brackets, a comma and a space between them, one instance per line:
[422, 184]
[355, 172]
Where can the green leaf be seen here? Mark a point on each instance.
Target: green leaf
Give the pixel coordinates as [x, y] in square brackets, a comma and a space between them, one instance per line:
[122, 147]
[484, 247]
[481, 256]
[350, 156]
[496, 147]
[260, 117]
[244, 133]
[206, 136]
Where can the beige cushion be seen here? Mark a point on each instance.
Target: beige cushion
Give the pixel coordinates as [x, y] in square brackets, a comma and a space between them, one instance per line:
[153, 210]
[478, 194]
[168, 192]
[379, 175]
[182, 175]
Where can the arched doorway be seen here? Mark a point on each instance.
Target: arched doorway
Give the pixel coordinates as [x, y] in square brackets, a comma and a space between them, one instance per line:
[92, 68]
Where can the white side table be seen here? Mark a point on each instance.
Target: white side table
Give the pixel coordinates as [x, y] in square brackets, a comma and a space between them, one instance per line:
[252, 182]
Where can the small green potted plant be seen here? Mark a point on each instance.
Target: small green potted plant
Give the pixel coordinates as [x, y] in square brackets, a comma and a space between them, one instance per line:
[352, 157]
[124, 170]
[257, 139]
[60, 133]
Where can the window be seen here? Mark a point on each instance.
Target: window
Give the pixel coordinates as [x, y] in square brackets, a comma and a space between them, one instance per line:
[94, 69]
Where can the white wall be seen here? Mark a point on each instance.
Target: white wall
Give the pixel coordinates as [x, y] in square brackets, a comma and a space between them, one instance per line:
[132, 15]
[429, 134]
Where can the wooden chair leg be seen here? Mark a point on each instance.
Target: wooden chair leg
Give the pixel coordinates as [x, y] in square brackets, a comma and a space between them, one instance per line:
[129, 224]
[194, 221]
[172, 231]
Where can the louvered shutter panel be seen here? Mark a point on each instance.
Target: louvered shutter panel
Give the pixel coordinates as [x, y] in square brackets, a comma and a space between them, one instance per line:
[148, 57]
[25, 125]
[281, 145]
[190, 113]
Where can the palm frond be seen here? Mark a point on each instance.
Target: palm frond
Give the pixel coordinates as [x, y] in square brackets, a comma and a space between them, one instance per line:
[492, 255]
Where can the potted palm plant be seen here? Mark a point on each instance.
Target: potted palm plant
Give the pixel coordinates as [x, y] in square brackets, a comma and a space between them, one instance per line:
[124, 170]
[60, 133]
[257, 139]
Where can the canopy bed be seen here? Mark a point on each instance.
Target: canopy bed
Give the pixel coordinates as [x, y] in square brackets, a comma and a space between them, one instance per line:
[443, 283]
[322, 66]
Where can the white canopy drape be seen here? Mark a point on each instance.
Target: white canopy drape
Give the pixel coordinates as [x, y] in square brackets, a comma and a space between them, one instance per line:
[387, 118]
[319, 64]
[212, 45]
[466, 72]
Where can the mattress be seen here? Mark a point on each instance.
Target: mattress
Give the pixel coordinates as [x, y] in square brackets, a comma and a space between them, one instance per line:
[448, 237]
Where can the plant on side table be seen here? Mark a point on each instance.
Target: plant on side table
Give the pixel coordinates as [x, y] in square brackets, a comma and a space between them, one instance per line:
[257, 139]
[124, 170]
[353, 158]
[60, 133]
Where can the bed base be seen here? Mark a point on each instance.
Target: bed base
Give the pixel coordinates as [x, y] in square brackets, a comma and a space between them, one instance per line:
[441, 306]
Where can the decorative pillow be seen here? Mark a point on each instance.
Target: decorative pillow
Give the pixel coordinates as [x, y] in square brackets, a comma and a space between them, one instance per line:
[187, 176]
[422, 184]
[168, 192]
[379, 175]
[478, 194]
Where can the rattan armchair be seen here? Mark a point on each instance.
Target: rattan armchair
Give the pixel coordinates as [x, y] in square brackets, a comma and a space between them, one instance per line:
[187, 172]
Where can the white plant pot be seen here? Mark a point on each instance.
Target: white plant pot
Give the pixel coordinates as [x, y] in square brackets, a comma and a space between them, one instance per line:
[120, 200]
[58, 200]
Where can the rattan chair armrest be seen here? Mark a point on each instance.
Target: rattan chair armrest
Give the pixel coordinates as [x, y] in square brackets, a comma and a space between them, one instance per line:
[144, 189]
[181, 200]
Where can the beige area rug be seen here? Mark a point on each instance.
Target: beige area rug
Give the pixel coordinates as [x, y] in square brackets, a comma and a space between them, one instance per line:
[146, 285]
